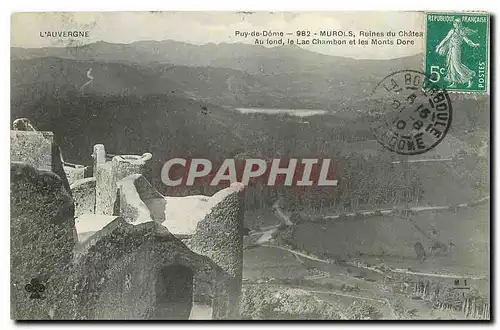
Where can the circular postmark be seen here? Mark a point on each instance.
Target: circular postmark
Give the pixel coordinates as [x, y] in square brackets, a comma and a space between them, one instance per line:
[413, 114]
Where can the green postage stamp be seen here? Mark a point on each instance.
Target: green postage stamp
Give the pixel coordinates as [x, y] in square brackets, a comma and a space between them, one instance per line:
[457, 51]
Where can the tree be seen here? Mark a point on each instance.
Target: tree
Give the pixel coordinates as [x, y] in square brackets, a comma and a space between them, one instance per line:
[419, 251]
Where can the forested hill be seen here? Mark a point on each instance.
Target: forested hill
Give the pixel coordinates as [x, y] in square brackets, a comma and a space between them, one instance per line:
[35, 78]
[233, 74]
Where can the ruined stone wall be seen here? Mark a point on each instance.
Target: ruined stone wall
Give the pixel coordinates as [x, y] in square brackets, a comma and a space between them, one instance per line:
[126, 165]
[139, 201]
[220, 237]
[39, 150]
[127, 271]
[105, 192]
[130, 206]
[108, 174]
[84, 195]
[124, 277]
[74, 173]
[32, 147]
[218, 298]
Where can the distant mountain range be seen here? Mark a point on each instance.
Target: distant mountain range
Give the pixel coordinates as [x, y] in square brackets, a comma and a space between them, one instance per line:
[253, 59]
[227, 74]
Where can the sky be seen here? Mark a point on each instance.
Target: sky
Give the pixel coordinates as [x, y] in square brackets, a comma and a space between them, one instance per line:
[216, 27]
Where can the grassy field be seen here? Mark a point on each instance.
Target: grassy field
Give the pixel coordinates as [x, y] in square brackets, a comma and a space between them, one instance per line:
[390, 239]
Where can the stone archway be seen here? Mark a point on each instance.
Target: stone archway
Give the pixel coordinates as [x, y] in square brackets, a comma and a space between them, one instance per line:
[174, 293]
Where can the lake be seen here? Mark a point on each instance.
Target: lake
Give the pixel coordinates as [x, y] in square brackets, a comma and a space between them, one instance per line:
[293, 112]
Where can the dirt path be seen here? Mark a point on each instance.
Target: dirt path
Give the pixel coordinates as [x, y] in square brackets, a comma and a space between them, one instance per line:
[297, 253]
[397, 270]
[412, 209]
[426, 160]
[404, 271]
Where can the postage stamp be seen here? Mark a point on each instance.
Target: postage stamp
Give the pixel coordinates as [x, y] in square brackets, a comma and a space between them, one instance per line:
[457, 51]
[417, 112]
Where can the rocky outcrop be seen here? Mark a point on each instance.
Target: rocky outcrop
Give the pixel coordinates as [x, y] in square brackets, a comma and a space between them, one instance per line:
[42, 241]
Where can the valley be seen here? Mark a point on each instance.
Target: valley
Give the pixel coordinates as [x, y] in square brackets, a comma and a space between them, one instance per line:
[356, 242]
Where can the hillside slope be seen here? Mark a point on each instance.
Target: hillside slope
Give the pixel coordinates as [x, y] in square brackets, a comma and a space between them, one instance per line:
[321, 79]
[57, 76]
[390, 240]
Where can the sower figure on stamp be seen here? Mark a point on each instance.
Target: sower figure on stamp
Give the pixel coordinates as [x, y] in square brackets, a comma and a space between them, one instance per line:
[456, 71]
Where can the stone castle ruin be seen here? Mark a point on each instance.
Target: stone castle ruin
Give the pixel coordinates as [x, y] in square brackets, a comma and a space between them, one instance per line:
[110, 246]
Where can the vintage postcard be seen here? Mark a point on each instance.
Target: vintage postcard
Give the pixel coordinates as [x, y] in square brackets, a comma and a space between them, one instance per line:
[250, 166]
